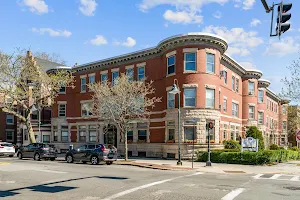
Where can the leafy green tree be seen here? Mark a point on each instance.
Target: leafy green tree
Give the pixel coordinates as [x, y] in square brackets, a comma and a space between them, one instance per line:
[256, 134]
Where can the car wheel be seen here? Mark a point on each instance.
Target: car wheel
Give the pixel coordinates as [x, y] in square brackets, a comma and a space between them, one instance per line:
[37, 157]
[84, 162]
[52, 159]
[94, 160]
[11, 155]
[20, 156]
[109, 162]
[69, 159]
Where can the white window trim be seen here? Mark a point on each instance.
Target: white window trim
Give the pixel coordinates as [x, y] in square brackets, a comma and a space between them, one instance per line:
[190, 85]
[141, 64]
[172, 74]
[92, 74]
[115, 70]
[251, 104]
[211, 51]
[224, 97]
[214, 98]
[190, 50]
[81, 103]
[190, 71]
[210, 86]
[104, 72]
[64, 91]
[129, 67]
[172, 53]
[13, 120]
[83, 91]
[195, 100]
[168, 100]
[214, 72]
[253, 111]
[83, 76]
[13, 134]
[58, 106]
[234, 101]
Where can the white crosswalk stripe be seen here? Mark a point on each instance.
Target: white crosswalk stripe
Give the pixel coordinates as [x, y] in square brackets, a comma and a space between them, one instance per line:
[281, 177]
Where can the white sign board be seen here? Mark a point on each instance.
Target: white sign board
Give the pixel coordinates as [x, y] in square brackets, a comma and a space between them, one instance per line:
[250, 144]
[298, 135]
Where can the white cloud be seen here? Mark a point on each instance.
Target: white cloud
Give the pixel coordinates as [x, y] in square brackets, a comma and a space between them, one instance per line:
[186, 11]
[36, 6]
[88, 7]
[248, 4]
[166, 25]
[130, 42]
[217, 15]
[98, 40]
[248, 65]
[182, 17]
[51, 32]
[255, 22]
[283, 47]
[240, 41]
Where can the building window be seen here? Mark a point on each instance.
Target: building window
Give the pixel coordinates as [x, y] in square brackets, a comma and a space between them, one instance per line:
[171, 130]
[10, 119]
[46, 138]
[55, 134]
[284, 125]
[251, 88]
[225, 76]
[62, 90]
[103, 77]
[260, 96]
[171, 100]
[34, 115]
[189, 133]
[86, 109]
[210, 98]
[251, 112]
[284, 110]
[267, 122]
[190, 62]
[210, 63]
[260, 118]
[232, 133]
[9, 135]
[237, 85]
[82, 133]
[225, 105]
[142, 135]
[115, 76]
[235, 109]
[141, 73]
[171, 65]
[92, 133]
[64, 134]
[233, 83]
[91, 79]
[190, 97]
[83, 84]
[61, 110]
[130, 74]
[130, 136]
[225, 132]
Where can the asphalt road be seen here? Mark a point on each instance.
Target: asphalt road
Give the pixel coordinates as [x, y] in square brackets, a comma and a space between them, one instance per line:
[47, 180]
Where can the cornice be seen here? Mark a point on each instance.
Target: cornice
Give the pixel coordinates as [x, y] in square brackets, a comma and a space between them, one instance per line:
[256, 74]
[263, 83]
[234, 64]
[163, 46]
[272, 95]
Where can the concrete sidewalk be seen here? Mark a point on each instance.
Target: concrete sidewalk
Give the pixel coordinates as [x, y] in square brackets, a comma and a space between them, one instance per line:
[292, 167]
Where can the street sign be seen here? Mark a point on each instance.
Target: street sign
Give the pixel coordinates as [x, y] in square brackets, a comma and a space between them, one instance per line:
[298, 135]
[250, 144]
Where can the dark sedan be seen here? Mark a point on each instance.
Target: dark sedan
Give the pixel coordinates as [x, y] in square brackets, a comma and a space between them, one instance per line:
[93, 153]
[37, 151]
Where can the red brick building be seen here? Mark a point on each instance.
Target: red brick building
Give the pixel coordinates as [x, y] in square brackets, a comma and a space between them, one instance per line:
[8, 128]
[213, 87]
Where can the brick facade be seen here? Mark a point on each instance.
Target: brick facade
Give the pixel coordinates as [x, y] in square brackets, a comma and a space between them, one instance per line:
[199, 65]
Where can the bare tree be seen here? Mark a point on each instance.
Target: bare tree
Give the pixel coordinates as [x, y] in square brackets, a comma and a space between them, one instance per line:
[123, 102]
[23, 83]
[54, 57]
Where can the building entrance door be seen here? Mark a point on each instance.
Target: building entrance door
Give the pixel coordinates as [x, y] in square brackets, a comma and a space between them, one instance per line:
[110, 135]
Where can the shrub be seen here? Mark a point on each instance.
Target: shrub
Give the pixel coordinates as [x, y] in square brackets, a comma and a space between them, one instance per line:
[231, 144]
[274, 147]
[294, 149]
[256, 134]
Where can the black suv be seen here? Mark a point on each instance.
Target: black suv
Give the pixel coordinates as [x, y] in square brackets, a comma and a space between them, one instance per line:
[37, 151]
[93, 153]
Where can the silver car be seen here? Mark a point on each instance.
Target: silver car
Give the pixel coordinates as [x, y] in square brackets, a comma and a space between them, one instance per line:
[7, 149]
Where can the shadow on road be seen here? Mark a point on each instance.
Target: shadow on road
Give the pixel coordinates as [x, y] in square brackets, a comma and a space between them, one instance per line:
[47, 188]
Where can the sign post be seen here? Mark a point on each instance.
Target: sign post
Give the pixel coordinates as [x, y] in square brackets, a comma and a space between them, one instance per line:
[250, 144]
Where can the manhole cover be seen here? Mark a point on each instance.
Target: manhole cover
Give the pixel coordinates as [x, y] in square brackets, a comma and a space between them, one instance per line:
[235, 172]
[292, 188]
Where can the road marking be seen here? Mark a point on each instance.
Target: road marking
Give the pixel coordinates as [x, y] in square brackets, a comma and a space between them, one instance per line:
[147, 185]
[275, 176]
[295, 178]
[4, 163]
[50, 171]
[233, 194]
[257, 176]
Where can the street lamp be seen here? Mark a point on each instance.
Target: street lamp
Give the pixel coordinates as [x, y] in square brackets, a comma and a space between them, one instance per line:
[175, 90]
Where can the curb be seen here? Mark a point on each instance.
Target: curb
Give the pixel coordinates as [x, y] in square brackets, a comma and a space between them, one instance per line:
[153, 166]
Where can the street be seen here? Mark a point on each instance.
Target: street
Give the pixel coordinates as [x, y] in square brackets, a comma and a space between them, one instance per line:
[28, 179]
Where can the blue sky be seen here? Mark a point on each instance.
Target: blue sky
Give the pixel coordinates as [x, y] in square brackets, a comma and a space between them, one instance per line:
[87, 30]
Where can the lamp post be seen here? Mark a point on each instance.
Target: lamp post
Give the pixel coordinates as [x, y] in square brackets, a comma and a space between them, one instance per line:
[175, 90]
[209, 126]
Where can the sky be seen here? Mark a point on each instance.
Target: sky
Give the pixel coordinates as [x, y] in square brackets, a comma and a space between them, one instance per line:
[82, 31]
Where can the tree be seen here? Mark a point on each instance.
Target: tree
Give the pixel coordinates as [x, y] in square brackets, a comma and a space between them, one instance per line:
[24, 83]
[54, 57]
[293, 123]
[256, 134]
[123, 102]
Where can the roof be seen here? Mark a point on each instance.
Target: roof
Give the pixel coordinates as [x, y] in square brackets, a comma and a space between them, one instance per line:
[46, 64]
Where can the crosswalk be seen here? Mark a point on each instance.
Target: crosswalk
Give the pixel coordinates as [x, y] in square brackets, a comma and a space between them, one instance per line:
[281, 177]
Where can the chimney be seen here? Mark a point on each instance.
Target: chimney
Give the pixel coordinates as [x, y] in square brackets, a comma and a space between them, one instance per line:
[75, 64]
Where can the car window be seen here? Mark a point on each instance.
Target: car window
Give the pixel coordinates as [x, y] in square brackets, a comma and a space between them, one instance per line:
[6, 145]
[91, 146]
[83, 147]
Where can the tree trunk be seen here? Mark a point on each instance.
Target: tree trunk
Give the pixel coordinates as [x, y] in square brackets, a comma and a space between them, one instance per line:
[30, 130]
[126, 146]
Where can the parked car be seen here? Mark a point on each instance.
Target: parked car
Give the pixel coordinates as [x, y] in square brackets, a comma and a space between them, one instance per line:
[93, 153]
[38, 151]
[7, 149]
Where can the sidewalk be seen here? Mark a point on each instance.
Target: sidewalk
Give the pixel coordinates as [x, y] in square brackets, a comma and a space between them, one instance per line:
[281, 168]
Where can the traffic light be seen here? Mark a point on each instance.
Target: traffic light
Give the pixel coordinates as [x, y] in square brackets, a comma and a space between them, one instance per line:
[283, 17]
